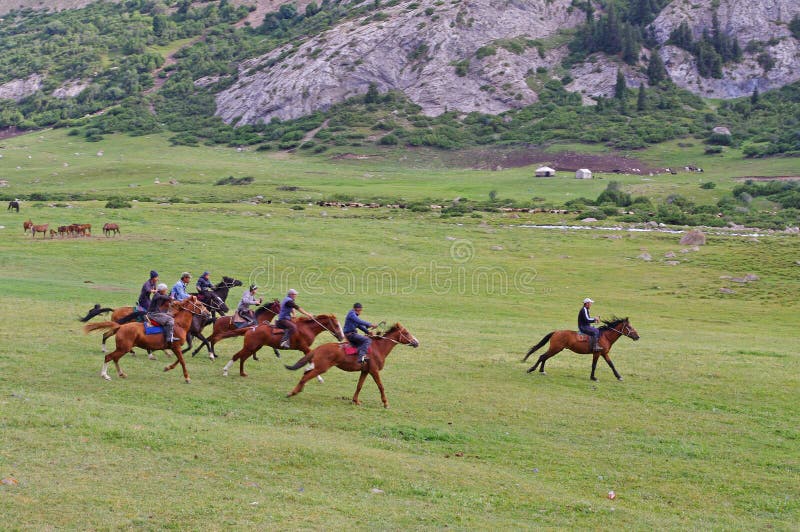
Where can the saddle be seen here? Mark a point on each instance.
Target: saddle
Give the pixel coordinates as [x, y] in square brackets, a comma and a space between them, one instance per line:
[350, 350]
[153, 329]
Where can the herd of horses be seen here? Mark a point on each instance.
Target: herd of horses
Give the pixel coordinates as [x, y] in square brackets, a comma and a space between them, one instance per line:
[64, 231]
[195, 313]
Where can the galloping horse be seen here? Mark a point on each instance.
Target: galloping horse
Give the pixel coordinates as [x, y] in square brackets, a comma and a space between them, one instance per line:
[224, 327]
[133, 334]
[327, 356]
[579, 343]
[39, 229]
[266, 334]
[220, 291]
[13, 204]
[110, 229]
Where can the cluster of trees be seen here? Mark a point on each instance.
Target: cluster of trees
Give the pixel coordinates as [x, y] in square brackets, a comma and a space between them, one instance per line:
[711, 51]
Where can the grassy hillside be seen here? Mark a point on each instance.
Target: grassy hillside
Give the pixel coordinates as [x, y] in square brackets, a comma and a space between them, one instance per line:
[700, 434]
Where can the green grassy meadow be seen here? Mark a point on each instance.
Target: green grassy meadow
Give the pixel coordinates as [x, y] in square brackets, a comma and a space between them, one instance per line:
[702, 433]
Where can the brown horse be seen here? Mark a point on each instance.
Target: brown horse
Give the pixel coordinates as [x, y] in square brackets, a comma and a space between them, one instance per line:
[26, 225]
[579, 343]
[110, 229]
[224, 327]
[327, 356]
[266, 334]
[39, 229]
[133, 334]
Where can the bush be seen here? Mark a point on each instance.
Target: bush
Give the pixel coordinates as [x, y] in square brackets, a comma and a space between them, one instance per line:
[708, 186]
[118, 203]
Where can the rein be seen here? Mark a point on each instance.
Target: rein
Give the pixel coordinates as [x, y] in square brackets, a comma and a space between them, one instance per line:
[321, 325]
[621, 333]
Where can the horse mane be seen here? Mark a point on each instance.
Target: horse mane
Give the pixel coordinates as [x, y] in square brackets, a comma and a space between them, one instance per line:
[612, 323]
[305, 318]
[393, 328]
[265, 306]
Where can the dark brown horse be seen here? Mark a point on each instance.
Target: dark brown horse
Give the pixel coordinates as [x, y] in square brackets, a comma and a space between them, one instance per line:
[224, 327]
[579, 343]
[327, 356]
[133, 334]
[13, 204]
[39, 229]
[110, 229]
[307, 330]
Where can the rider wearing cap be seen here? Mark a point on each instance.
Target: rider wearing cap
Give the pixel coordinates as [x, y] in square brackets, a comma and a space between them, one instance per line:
[148, 289]
[155, 314]
[284, 321]
[178, 291]
[248, 298]
[204, 283]
[584, 325]
[352, 324]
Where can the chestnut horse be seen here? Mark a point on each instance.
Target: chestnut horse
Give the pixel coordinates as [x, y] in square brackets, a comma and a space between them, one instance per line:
[110, 229]
[26, 225]
[39, 229]
[327, 356]
[224, 327]
[133, 334]
[266, 334]
[579, 343]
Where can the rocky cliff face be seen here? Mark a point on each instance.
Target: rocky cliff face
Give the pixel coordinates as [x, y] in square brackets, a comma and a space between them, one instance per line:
[416, 50]
[760, 22]
[413, 49]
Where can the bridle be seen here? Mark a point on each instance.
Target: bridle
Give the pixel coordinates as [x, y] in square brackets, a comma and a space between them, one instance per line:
[195, 310]
[408, 341]
[315, 320]
[626, 330]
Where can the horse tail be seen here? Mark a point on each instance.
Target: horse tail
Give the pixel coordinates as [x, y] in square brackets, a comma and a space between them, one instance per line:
[537, 346]
[299, 364]
[103, 325]
[135, 315]
[95, 311]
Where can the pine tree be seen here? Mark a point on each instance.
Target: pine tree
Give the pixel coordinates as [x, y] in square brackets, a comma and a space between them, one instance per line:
[641, 101]
[754, 97]
[619, 88]
[656, 73]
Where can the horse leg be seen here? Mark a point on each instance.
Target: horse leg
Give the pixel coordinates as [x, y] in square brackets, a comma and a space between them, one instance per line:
[361, 379]
[542, 359]
[277, 353]
[303, 380]
[376, 376]
[108, 358]
[611, 365]
[595, 356]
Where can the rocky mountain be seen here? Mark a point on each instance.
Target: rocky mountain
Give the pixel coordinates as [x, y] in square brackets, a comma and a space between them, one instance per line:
[479, 55]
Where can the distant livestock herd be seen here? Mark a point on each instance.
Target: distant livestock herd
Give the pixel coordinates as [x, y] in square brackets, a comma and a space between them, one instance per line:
[65, 231]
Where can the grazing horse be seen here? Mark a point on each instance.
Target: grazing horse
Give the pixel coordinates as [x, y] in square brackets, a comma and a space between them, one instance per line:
[133, 334]
[266, 334]
[63, 231]
[110, 229]
[26, 225]
[224, 327]
[53, 233]
[579, 343]
[39, 229]
[327, 356]
[13, 204]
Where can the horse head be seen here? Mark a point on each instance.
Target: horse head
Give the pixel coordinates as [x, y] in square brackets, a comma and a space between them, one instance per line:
[400, 334]
[330, 324]
[217, 304]
[193, 305]
[229, 282]
[622, 326]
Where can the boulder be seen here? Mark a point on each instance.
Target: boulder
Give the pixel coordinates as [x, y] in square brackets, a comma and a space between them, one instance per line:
[693, 238]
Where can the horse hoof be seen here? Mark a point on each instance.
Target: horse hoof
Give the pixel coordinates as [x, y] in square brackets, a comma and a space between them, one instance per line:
[123, 375]
[151, 357]
[320, 379]
[188, 381]
[225, 373]
[593, 378]
[166, 368]
[106, 377]
[243, 374]
[619, 378]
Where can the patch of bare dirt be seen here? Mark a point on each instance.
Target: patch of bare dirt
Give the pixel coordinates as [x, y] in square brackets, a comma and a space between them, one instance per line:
[491, 159]
[769, 178]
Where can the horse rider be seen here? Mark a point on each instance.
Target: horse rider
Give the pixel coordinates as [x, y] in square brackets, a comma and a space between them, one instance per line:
[148, 289]
[178, 291]
[584, 325]
[160, 298]
[248, 298]
[284, 321]
[352, 324]
[203, 286]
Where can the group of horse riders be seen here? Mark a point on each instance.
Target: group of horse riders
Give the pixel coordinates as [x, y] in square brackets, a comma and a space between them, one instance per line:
[153, 296]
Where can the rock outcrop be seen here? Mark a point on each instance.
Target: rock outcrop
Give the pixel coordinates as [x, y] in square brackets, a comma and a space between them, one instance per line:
[430, 52]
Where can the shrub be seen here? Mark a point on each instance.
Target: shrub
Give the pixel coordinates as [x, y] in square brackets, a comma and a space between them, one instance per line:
[118, 203]
[708, 186]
